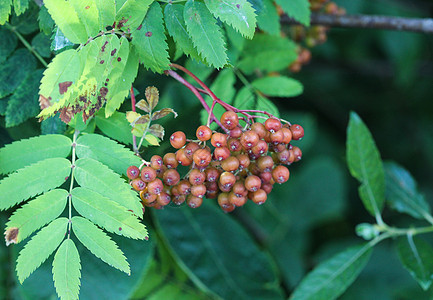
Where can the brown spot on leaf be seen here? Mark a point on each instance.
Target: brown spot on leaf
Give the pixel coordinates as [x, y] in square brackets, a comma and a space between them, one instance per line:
[103, 91]
[101, 62]
[11, 235]
[113, 52]
[63, 86]
[44, 102]
[146, 238]
[120, 228]
[148, 34]
[121, 23]
[238, 6]
[105, 44]
[139, 27]
[66, 114]
[87, 7]
[119, 59]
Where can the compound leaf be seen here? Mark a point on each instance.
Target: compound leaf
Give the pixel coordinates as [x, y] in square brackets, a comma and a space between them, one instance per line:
[402, 193]
[17, 155]
[65, 16]
[297, 9]
[35, 214]
[33, 180]
[239, 14]
[332, 277]
[40, 247]
[278, 86]
[98, 177]
[149, 40]
[106, 151]
[365, 164]
[99, 243]
[107, 214]
[67, 271]
[415, 255]
[205, 33]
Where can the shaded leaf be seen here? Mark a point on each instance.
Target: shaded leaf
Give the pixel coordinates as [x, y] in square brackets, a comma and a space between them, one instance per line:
[157, 130]
[23, 103]
[143, 105]
[67, 19]
[99, 243]
[40, 247]
[297, 9]
[333, 276]
[41, 43]
[116, 126]
[46, 23]
[107, 214]
[15, 70]
[17, 155]
[278, 86]
[67, 271]
[218, 255]
[162, 113]
[415, 255]
[365, 164]
[96, 176]
[53, 125]
[8, 45]
[37, 213]
[264, 104]
[37, 178]
[402, 193]
[20, 6]
[5, 10]
[115, 156]
[268, 19]
[205, 33]
[239, 14]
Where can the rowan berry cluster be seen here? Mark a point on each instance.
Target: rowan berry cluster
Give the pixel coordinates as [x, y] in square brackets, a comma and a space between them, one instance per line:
[240, 164]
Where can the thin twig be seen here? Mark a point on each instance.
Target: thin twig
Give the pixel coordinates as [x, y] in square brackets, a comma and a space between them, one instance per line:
[365, 21]
[134, 138]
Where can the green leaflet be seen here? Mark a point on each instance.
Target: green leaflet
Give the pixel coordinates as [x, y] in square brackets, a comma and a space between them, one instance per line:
[332, 277]
[120, 90]
[278, 86]
[107, 13]
[67, 271]
[107, 214]
[133, 11]
[5, 10]
[36, 213]
[41, 43]
[46, 23]
[297, 9]
[116, 126]
[20, 6]
[66, 18]
[33, 180]
[365, 164]
[268, 19]
[99, 243]
[17, 155]
[266, 105]
[87, 12]
[205, 33]
[23, 103]
[53, 125]
[218, 255]
[92, 174]
[245, 99]
[40, 247]
[106, 151]
[415, 254]
[173, 17]
[402, 193]
[8, 45]
[149, 40]
[239, 14]
[267, 53]
[15, 70]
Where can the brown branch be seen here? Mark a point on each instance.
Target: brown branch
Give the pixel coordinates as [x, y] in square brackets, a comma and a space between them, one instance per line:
[365, 21]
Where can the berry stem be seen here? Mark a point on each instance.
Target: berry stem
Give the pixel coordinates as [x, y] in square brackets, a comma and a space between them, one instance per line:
[134, 138]
[71, 186]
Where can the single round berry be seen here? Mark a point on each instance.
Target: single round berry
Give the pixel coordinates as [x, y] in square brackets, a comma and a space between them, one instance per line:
[202, 158]
[259, 197]
[138, 184]
[148, 174]
[211, 187]
[170, 160]
[265, 163]
[133, 172]
[280, 174]
[244, 161]
[227, 180]
[196, 177]
[267, 187]
[178, 200]
[163, 199]
[297, 153]
[230, 164]
[203, 133]
[156, 162]
[272, 125]
[277, 137]
[287, 135]
[171, 177]
[239, 188]
[253, 183]
[260, 148]
[234, 144]
[184, 187]
[219, 140]
[259, 128]
[223, 200]
[190, 149]
[155, 187]
[198, 190]
[147, 198]
[237, 200]
[266, 177]
[221, 153]
[249, 139]
[182, 158]
[297, 131]
[230, 120]
[212, 174]
[235, 132]
[178, 139]
[283, 156]
[194, 201]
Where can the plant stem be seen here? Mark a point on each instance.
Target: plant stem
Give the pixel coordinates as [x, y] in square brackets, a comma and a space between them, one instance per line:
[26, 44]
[144, 134]
[134, 138]
[71, 186]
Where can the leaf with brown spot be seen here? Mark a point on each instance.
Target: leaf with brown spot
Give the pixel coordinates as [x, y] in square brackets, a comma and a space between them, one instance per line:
[142, 120]
[44, 102]
[152, 96]
[66, 114]
[162, 113]
[63, 86]
[143, 105]
[11, 236]
[157, 130]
